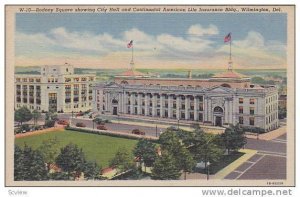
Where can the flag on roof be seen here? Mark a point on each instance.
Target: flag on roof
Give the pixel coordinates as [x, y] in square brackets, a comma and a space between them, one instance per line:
[227, 38]
[130, 44]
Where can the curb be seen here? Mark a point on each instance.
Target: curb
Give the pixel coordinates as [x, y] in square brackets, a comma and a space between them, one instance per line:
[231, 167]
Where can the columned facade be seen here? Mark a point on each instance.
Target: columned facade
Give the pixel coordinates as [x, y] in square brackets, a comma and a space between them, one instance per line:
[219, 106]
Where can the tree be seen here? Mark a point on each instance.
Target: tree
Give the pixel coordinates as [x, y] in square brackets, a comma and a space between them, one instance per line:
[50, 149]
[36, 115]
[123, 160]
[169, 141]
[23, 115]
[205, 148]
[145, 151]
[51, 115]
[185, 161]
[91, 170]
[18, 164]
[71, 159]
[165, 168]
[176, 143]
[29, 165]
[233, 138]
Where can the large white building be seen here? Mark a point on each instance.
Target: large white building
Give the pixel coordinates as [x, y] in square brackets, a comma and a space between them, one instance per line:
[57, 88]
[227, 98]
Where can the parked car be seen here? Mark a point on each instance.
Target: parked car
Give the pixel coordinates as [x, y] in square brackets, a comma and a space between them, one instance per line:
[101, 127]
[80, 124]
[138, 132]
[80, 114]
[63, 122]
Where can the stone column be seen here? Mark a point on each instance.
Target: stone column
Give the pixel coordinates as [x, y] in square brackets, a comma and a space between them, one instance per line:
[139, 110]
[196, 103]
[177, 107]
[226, 111]
[205, 111]
[170, 106]
[154, 105]
[161, 106]
[187, 107]
[131, 103]
[146, 105]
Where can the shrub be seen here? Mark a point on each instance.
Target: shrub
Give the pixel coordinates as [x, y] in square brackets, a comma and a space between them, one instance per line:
[49, 123]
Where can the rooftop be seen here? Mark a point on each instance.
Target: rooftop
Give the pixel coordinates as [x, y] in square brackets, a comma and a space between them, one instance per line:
[230, 75]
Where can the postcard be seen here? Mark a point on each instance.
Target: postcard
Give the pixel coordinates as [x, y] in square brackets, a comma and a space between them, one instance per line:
[150, 95]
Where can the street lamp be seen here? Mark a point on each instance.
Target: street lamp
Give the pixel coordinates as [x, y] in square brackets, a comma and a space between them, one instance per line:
[156, 130]
[207, 166]
[178, 123]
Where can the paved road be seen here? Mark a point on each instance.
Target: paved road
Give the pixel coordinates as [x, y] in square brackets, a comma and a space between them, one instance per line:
[120, 127]
[268, 163]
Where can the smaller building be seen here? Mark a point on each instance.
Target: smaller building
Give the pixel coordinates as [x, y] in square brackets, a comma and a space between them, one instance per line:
[57, 89]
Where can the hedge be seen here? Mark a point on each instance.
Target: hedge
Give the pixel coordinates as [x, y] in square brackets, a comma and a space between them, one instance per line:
[107, 133]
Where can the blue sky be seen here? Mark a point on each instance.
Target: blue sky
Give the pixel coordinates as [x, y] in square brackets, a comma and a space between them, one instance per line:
[160, 40]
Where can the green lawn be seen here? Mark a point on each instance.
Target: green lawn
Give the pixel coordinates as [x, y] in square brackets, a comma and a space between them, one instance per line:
[97, 148]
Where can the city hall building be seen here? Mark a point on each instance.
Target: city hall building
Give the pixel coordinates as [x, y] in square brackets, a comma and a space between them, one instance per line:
[57, 88]
[226, 98]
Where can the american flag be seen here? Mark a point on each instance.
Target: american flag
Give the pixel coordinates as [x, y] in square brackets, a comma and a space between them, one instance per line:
[227, 38]
[130, 44]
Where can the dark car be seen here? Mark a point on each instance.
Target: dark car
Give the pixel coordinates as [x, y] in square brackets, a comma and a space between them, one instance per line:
[138, 132]
[101, 127]
[63, 122]
[80, 124]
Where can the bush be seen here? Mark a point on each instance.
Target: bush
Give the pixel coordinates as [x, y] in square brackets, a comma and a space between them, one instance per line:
[253, 129]
[49, 123]
[25, 127]
[107, 133]
[80, 124]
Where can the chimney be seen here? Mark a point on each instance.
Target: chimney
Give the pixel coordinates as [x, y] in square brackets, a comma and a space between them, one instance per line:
[189, 74]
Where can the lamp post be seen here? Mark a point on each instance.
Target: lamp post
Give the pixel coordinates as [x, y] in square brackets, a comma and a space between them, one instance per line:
[207, 166]
[156, 130]
[178, 123]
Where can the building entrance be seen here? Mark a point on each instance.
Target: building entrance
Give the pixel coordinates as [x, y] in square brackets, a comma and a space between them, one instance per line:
[218, 121]
[115, 110]
[52, 102]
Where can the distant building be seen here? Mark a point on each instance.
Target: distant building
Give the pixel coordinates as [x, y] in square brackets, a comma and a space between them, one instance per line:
[226, 98]
[57, 88]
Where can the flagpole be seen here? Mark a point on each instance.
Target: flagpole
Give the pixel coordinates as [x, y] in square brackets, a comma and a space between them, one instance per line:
[230, 52]
[132, 54]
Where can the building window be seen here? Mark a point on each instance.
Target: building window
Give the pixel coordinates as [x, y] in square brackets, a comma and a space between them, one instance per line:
[241, 120]
[200, 117]
[241, 109]
[201, 107]
[252, 101]
[252, 110]
[241, 100]
[251, 120]
[201, 98]
[182, 115]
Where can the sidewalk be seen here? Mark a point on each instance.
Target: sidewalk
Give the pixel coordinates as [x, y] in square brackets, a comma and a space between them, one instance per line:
[270, 135]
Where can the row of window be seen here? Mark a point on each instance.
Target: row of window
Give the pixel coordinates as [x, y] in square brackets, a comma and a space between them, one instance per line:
[77, 79]
[251, 101]
[271, 99]
[28, 79]
[251, 110]
[251, 120]
[165, 114]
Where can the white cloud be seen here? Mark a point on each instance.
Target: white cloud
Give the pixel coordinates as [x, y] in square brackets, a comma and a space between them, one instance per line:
[61, 43]
[198, 30]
